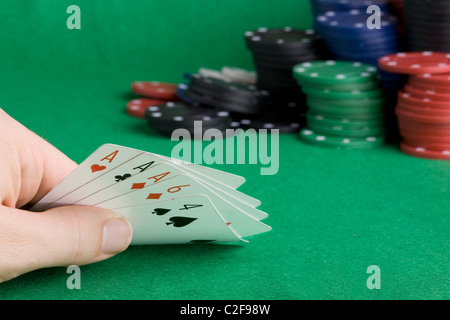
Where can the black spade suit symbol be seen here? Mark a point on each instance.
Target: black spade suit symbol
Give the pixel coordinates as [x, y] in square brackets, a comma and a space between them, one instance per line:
[122, 178]
[179, 222]
[161, 211]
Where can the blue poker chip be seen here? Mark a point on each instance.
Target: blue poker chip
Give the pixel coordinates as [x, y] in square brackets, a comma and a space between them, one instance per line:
[321, 6]
[366, 55]
[362, 52]
[370, 60]
[355, 22]
[362, 48]
[348, 37]
[390, 75]
[391, 80]
[370, 36]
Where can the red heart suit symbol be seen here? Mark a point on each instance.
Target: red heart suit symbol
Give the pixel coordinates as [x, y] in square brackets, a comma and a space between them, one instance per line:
[96, 167]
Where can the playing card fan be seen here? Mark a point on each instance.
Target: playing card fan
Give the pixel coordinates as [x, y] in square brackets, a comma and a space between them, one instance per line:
[165, 200]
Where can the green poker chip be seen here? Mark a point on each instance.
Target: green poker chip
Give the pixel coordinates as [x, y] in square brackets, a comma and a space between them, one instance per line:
[356, 131]
[353, 117]
[340, 142]
[342, 95]
[355, 103]
[333, 72]
[369, 85]
[325, 108]
[323, 120]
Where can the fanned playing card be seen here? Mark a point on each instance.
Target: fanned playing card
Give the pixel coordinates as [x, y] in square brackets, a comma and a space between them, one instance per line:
[167, 201]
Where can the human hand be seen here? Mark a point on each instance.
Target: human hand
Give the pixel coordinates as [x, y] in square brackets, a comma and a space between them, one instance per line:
[73, 235]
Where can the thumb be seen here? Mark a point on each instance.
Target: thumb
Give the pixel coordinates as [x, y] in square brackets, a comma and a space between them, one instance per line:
[64, 236]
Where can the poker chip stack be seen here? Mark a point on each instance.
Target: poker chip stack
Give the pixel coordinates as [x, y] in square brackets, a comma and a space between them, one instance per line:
[275, 52]
[345, 103]
[151, 93]
[424, 119]
[165, 112]
[348, 37]
[249, 106]
[423, 106]
[274, 100]
[427, 25]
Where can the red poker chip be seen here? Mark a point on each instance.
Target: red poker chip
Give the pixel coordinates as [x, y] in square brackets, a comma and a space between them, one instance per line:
[434, 140]
[425, 140]
[421, 117]
[155, 89]
[424, 143]
[425, 129]
[429, 103]
[420, 93]
[406, 131]
[423, 110]
[422, 152]
[432, 79]
[443, 129]
[137, 107]
[412, 134]
[421, 124]
[426, 86]
[416, 62]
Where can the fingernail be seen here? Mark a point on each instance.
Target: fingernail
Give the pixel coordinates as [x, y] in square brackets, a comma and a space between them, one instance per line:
[116, 236]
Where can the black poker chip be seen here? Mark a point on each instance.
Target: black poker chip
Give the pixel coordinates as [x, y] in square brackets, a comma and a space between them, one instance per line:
[281, 63]
[227, 95]
[219, 87]
[317, 50]
[285, 38]
[427, 25]
[252, 107]
[435, 7]
[175, 115]
[279, 88]
[226, 101]
[284, 126]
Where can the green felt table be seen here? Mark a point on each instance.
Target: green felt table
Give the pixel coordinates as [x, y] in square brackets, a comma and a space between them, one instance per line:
[334, 213]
